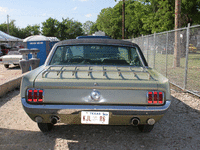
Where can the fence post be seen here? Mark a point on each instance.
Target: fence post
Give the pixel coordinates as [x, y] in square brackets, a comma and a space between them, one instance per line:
[186, 59]
[166, 53]
[147, 47]
[154, 50]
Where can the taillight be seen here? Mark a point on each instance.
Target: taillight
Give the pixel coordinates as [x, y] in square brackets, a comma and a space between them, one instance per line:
[161, 97]
[150, 98]
[155, 97]
[35, 95]
[30, 95]
[40, 97]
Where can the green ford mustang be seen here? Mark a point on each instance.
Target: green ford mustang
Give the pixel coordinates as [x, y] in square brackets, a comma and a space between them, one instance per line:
[95, 80]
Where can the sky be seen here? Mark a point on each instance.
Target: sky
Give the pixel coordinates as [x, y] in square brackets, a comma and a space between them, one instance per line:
[32, 12]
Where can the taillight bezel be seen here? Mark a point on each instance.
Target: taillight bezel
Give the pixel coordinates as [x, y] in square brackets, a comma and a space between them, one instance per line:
[35, 92]
[158, 101]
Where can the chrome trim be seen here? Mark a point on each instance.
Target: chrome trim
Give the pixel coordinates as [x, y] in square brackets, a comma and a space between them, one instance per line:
[141, 60]
[90, 70]
[116, 110]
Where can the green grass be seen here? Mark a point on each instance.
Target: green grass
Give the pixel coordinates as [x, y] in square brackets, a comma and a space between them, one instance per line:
[177, 74]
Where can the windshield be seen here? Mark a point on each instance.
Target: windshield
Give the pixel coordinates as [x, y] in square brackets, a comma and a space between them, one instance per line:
[95, 55]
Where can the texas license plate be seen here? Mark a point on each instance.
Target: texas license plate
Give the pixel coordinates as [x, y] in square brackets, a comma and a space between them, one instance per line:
[93, 117]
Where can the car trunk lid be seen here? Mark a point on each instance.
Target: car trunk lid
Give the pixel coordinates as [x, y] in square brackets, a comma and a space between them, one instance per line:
[75, 84]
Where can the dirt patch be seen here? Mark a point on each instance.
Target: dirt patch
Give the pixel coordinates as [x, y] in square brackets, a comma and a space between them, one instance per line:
[178, 129]
[7, 74]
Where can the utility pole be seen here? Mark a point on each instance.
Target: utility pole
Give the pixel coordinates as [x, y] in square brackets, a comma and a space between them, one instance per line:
[177, 35]
[123, 19]
[8, 24]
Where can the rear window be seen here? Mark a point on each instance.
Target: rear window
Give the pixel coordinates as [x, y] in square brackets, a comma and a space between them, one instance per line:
[95, 55]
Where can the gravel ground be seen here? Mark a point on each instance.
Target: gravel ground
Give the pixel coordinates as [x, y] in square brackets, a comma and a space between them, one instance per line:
[10, 73]
[178, 129]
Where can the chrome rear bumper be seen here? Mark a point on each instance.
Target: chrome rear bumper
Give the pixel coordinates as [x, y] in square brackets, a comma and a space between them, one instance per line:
[75, 109]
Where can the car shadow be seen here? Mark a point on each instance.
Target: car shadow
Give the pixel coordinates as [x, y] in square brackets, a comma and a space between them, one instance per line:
[23, 139]
[178, 129]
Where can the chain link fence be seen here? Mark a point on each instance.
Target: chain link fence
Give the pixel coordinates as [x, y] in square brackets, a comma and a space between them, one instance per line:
[175, 54]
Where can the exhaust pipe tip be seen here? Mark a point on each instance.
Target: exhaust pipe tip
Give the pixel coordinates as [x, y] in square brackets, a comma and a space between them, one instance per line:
[54, 119]
[151, 121]
[38, 119]
[135, 121]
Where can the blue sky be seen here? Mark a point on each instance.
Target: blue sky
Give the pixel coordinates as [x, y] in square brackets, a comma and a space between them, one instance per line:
[31, 12]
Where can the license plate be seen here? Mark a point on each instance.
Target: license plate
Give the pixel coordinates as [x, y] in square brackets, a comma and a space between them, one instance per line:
[93, 117]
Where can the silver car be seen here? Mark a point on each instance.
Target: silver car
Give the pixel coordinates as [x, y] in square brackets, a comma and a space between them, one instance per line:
[95, 80]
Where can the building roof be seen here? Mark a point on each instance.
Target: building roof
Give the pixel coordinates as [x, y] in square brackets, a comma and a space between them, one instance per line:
[6, 37]
[40, 38]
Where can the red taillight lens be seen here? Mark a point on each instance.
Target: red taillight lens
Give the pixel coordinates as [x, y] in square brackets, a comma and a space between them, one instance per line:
[155, 97]
[35, 95]
[30, 96]
[40, 98]
[160, 97]
[150, 98]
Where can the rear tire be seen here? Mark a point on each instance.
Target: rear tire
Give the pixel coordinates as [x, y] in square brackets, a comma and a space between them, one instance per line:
[145, 128]
[45, 127]
[6, 65]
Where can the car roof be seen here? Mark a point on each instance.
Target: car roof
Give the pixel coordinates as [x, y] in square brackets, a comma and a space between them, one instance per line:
[97, 41]
[93, 37]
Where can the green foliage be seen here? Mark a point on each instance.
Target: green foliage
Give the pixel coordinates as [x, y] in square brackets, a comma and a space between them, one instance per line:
[104, 21]
[190, 12]
[50, 27]
[93, 28]
[160, 16]
[20, 33]
[146, 17]
[141, 17]
[134, 19]
[67, 29]
[87, 26]
[110, 19]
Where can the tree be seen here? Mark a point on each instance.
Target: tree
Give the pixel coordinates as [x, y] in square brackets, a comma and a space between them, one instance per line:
[29, 30]
[50, 27]
[135, 13]
[67, 29]
[20, 32]
[190, 12]
[104, 21]
[87, 27]
[93, 28]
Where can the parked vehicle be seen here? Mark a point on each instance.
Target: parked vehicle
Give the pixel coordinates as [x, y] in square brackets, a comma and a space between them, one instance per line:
[12, 57]
[1, 54]
[5, 48]
[95, 81]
